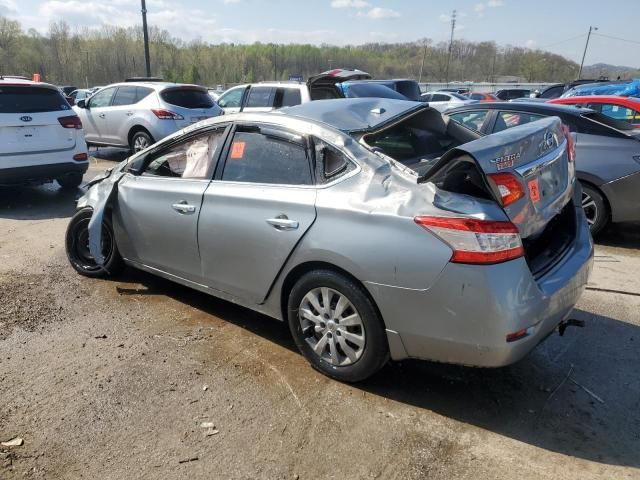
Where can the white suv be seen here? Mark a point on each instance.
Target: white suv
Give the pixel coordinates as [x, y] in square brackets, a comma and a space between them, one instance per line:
[41, 138]
[267, 96]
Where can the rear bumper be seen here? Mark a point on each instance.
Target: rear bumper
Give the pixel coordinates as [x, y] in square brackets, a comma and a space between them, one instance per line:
[466, 316]
[40, 173]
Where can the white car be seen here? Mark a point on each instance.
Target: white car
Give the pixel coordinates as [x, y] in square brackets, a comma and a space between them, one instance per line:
[41, 137]
[441, 101]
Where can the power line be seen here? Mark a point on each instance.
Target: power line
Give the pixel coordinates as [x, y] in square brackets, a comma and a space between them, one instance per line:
[562, 41]
[616, 38]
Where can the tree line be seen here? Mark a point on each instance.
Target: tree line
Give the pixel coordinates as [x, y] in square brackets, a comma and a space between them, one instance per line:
[98, 57]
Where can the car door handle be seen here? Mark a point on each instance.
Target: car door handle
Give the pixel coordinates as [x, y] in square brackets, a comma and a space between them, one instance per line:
[183, 207]
[129, 114]
[282, 223]
[102, 115]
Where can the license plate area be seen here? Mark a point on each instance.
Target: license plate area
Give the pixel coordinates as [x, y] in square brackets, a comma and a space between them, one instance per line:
[546, 180]
[23, 134]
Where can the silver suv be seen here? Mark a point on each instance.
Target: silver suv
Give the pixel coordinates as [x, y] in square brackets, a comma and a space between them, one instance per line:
[135, 115]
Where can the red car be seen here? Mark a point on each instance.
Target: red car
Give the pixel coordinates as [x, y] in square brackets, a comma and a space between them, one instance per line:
[618, 108]
[483, 97]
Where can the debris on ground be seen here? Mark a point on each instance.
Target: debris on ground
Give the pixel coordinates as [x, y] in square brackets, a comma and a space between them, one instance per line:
[14, 442]
[187, 460]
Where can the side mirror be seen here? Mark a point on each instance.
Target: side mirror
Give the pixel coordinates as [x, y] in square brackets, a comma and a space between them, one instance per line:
[81, 104]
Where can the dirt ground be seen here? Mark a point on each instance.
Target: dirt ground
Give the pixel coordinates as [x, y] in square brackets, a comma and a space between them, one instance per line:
[141, 378]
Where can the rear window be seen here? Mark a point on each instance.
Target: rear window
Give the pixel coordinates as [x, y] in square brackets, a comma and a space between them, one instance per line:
[187, 97]
[31, 100]
[360, 90]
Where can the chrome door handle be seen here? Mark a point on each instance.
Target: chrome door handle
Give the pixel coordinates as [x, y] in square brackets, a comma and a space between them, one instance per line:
[129, 114]
[183, 207]
[282, 223]
[101, 115]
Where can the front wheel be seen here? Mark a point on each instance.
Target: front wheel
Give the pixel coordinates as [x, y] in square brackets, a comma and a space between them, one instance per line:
[595, 209]
[336, 326]
[77, 247]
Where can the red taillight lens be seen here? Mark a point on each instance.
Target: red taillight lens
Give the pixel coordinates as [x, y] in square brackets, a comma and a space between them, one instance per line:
[80, 157]
[166, 114]
[509, 187]
[72, 121]
[571, 144]
[476, 241]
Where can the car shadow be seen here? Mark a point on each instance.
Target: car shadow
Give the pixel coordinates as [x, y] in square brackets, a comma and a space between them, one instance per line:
[577, 395]
[38, 202]
[621, 235]
[109, 153]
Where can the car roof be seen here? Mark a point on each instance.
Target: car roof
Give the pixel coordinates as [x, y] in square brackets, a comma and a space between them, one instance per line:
[543, 107]
[599, 99]
[23, 82]
[354, 114]
[155, 85]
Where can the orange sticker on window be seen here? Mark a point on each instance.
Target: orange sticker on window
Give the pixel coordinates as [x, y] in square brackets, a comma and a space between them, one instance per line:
[534, 190]
[237, 150]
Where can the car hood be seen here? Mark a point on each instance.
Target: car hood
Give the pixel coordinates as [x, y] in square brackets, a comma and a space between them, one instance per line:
[356, 115]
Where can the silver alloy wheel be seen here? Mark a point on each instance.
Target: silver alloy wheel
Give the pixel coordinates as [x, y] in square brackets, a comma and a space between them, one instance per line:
[332, 326]
[140, 143]
[590, 208]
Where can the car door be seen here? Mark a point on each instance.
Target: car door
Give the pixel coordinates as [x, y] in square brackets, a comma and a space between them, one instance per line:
[259, 206]
[119, 113]
[94, 115]
[158, 206]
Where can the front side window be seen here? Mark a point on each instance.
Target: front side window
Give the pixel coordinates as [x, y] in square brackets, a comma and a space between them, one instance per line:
[265, 158]
[192, 159]
[513, 119]
[261, 97]
[472, 120]
[231, 99]
[102, 98]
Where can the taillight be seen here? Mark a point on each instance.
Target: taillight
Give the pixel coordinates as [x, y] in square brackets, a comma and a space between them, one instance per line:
[476, 241]
[508, 186]
[80, 157]
[571, 144]
[72, 121]
[166, 114]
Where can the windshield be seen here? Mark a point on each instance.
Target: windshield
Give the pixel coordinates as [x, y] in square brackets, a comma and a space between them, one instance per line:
[188, 97]
[362, 90]
[18, 99]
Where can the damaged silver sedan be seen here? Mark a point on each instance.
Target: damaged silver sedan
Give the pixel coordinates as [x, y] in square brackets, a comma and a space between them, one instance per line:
[376, 228]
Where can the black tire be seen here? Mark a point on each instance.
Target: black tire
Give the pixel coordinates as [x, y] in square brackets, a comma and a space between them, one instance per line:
[374, 353]
[140, 140]
[595, 208]
[70, 181]
[77, 247]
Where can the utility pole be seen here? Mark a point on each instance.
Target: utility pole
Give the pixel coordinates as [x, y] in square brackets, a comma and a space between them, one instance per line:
[453, 27]
[145, 33]
[586, 45]
[424, 56]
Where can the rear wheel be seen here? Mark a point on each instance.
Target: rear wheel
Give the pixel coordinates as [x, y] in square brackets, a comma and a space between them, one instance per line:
[595, 209]
[139, 141]
[77, 247]
[70, 181]
[336, 326]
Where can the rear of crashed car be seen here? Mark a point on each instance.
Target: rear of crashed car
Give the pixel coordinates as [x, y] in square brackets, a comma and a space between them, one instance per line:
[450, 247]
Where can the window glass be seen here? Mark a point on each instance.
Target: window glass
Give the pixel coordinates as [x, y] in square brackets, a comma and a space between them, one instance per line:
[472, 120]
[142, 92]
[231, 99]
[102, 98]
[261, 97]
[362, 90]
[617, 111]
[191, 159]
[31, 100]
[439, 97]
[258, 158]
[553, 92]
[187, 97]
[330, 162]
[288, 97]
[124, 96]
[513, 119]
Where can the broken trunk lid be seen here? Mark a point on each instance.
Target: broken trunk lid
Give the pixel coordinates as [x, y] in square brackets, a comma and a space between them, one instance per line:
[527, 168]
[337, 75]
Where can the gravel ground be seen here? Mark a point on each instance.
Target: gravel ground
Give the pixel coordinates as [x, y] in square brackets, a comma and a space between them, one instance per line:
[139, 377]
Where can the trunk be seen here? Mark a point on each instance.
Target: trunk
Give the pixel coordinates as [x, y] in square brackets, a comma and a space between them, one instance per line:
[42, 132]
[323, 86]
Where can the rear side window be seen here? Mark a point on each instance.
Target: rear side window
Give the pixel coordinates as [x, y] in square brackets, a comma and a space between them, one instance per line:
[594, 123]
[124, 96]
[258, 158]
[506, 120]
[142, 92]
[31, 100]
[187, 97]
[472, 120]
[330, 162]
[287, 97]
[261, 97]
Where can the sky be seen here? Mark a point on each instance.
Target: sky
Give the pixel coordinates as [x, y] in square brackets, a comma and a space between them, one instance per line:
[559, 26]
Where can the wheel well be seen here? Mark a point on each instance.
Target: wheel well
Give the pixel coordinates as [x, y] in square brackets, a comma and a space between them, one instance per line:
[296, 273]
[604, 197]
[136, 129]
